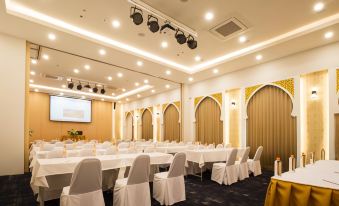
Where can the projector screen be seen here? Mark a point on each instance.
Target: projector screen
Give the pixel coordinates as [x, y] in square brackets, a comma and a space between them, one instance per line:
[70, 110]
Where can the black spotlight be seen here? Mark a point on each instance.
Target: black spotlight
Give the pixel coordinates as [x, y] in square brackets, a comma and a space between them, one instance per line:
[95, 89]
[153, 24]
[70, 85]
[79, 87]
[103, 91]
[88, 86]
[136, 15]
[192, 44]
[180, 36]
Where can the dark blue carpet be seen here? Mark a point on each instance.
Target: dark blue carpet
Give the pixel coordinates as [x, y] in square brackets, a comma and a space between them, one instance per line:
[15, 190]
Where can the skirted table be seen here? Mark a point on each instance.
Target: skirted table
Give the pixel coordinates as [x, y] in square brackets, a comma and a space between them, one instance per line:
[317, 184]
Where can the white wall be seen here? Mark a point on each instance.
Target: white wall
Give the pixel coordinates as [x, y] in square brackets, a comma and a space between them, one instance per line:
[293, 66]
[12, 104]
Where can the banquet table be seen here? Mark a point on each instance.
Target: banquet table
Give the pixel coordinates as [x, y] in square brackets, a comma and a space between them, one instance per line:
[316, 184]
[57, 166]
[171, 149]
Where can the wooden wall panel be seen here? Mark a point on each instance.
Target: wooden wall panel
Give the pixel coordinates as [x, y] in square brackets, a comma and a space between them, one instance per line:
[234, 118]
[337, 136]
[100, 128]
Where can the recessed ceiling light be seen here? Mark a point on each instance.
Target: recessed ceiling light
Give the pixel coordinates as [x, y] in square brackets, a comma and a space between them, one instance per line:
[69, 79]
[136, 84]
[102, 52]
[34, 61]
[138, 95]
[146, 81]
[31, 81]
[120, 75]
[63, 86]
[51, 36]
[113, 94]
[45, 56]
[87, 67]
[102, 99]
[190, 79]
[32, 72]
[329, 35]
[90, 90]
[119, 101]
[140, 63]
[116, 23]
[318, 7]
[168, 72]
[123, 89]
[109, 78]
[215, 71]
[76, 71]
[164, 44]
[83, 97]
[197, 58]
[242, 39]
[36, 90]
[61, 94]
[258, 57]
[127, 99]
[167, 86]
[152, 90]
[99, 85]
[209, 16]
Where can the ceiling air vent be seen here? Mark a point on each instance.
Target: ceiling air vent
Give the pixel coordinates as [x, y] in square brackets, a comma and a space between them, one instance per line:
[228, 29]
[47, 76]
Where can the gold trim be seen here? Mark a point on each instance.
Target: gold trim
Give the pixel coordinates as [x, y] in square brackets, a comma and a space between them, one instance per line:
[164, 107]
[250, 90]
[218, 97]
[197, 100]
[177, 103]
[337, 80]
[287, 84]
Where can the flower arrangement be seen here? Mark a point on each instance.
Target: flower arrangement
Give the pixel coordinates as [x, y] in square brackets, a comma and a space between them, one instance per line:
[73, 133]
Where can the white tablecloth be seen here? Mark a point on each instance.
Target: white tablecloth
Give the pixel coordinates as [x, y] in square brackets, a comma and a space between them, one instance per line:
[319, 174]
[46, 167]
[210, 155]
[171, 149]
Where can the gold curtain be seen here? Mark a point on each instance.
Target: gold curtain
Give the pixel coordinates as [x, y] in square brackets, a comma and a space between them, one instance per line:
[129, 127]
[271, 125]
[337, 136]
[147, 127]
[171, 124]
[208, 126]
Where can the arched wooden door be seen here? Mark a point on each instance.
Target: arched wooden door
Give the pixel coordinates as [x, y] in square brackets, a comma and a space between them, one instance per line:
[147, 127]
[271, 125]
[208, 128]
[171, 124]
[129, 127]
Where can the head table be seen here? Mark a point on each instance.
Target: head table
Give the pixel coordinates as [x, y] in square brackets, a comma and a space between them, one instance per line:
[316, 184]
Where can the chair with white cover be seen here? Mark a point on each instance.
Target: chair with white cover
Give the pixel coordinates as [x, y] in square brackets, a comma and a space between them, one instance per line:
[68, 141]
[226, 172]
[88, 146]
[254, 164]
[243, 166]
[123, 145]
[47, 147]
[85, 188]
[134, 190]
[210, 146]
[169, 187]
[86, 152]
[220, 146]
[58, 153]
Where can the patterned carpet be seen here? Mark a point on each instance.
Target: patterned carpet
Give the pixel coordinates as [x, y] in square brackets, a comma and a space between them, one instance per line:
[15, 190]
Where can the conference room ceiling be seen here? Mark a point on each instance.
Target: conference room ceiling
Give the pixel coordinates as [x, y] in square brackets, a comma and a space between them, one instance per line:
[273, 30]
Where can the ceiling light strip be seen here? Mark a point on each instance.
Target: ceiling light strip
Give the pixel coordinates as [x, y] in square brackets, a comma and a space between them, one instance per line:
[135, 91]
[30, 14]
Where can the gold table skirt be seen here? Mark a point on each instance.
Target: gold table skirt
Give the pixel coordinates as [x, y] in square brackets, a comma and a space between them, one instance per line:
[282, 193]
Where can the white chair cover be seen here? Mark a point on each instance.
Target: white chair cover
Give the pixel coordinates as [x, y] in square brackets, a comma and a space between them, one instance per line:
[169, 187]
[243, 166]
[47, 147]
[85, 188]
[123, 145]
[254, 164]
[55, 154]
[134, 190]
[226, 172]
[86, 153]
[68, 141]
[88, 146]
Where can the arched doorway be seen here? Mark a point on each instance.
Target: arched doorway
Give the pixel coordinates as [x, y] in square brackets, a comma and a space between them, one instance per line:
[129, 127]
[271, 125]
[208, 128]
[147, 127]
[171, 124]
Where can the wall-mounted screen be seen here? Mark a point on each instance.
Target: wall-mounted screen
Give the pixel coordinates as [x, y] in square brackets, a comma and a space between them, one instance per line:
[70, 109]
